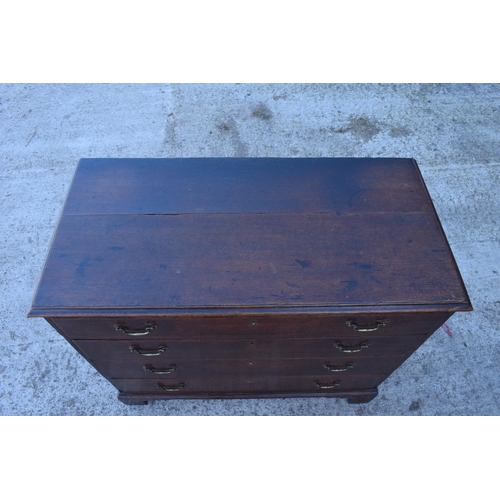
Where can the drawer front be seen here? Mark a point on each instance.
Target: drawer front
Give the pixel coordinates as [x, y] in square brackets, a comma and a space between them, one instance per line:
[336, 348]
[249, 326]
[242, 368]
[257, 385]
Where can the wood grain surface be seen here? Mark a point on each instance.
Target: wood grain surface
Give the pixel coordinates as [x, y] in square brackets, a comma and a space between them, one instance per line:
[256, 232]
[214, 368]
[249, 326]
[256, 385]
[245, 185]
[256, 349]
[216, 260]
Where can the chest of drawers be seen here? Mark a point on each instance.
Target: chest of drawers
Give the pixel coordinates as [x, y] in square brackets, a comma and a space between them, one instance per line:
[248, 277]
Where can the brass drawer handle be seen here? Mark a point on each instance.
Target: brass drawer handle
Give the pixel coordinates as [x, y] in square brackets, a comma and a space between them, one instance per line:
[159, 371]
[358, 328]
[170, 389]
[344, 368]
[328, 386]
[148, 328]
[351, 348]
[144, 352]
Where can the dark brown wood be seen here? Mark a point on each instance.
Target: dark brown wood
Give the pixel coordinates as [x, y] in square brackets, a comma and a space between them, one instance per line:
[245, 185]
[248, 349]
[254, 385]
[356, 395]
[249, 260]
[126, 399]
[250, 274]
[245, 326]
[243, 368]
[361, 398]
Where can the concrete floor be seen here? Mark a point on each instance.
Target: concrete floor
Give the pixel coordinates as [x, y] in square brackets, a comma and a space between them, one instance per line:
[453, 131]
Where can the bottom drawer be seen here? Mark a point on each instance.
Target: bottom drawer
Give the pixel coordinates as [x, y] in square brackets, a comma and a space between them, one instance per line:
[257, 385]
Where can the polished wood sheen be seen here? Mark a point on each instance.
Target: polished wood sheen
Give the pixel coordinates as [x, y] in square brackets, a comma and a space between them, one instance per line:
[238, 269]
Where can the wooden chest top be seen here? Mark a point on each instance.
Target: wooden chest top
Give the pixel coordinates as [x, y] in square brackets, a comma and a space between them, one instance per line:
[222, 235]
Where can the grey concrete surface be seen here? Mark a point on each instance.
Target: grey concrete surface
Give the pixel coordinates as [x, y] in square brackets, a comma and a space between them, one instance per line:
[453, 131]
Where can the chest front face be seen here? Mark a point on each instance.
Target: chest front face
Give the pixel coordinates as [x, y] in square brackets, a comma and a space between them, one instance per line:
[253, 277]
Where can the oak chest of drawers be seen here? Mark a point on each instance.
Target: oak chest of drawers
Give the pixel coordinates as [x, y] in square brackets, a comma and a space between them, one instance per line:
[248, 277]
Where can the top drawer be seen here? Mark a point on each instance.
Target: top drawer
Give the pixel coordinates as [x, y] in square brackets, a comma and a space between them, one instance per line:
[249, 326]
